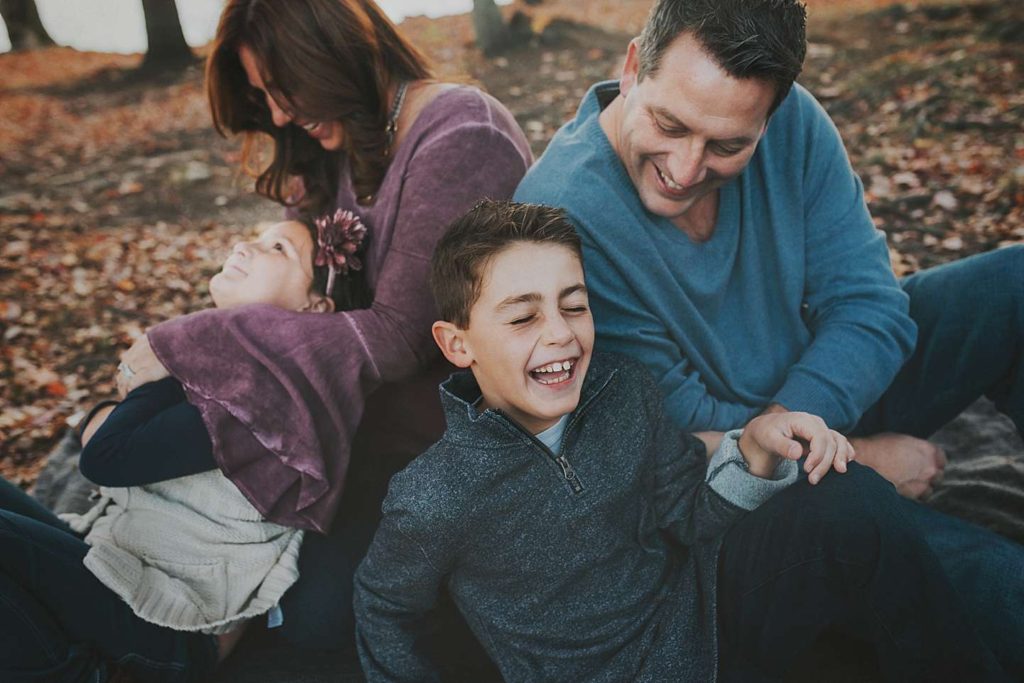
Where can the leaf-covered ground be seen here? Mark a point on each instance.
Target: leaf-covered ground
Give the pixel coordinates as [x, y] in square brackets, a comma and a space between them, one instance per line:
[118, 201]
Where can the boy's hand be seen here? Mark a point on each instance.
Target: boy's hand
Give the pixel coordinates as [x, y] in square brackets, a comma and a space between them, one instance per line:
[769, 437]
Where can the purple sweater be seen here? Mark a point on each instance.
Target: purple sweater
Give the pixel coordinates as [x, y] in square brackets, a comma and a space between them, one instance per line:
[283, 393]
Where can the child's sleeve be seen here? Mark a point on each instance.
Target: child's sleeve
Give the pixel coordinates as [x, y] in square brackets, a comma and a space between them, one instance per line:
[395, 587]
[688, 508]
[153, 435]
[693, 499]
[729, 476]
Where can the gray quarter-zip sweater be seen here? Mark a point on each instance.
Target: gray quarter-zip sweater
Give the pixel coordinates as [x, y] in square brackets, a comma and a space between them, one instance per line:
[598, 564]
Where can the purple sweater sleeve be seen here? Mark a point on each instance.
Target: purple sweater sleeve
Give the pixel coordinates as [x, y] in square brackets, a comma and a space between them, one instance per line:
[282, 393]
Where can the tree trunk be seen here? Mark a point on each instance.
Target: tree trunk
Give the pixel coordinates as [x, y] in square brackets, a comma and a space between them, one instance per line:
[23, 25]
[167, 49]
[491, 32]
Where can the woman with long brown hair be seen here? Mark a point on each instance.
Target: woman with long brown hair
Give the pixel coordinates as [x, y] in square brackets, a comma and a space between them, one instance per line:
[310, 415]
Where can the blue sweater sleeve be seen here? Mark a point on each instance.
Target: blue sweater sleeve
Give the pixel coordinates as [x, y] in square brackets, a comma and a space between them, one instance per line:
[153, 435]
[856, 311]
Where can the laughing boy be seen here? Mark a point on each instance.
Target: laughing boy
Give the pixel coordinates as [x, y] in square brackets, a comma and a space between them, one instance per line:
[583, 538]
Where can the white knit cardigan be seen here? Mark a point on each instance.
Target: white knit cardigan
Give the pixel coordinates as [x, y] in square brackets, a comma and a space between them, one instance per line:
[190, 554]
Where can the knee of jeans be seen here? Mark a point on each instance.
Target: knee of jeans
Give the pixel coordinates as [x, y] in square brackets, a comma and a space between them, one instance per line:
[854, 508]
[860, 489]
[1004, 283]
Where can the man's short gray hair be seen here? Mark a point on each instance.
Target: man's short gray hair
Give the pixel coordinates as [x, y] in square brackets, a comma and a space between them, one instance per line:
[763, 39]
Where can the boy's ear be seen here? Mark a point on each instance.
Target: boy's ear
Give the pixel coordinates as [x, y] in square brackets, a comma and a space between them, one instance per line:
[452, 341]
[318, 303]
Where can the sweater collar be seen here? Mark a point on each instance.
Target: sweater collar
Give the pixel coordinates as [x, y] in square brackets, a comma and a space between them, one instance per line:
[492, 428]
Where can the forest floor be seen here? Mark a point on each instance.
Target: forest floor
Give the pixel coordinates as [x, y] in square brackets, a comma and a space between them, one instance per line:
[118, 200]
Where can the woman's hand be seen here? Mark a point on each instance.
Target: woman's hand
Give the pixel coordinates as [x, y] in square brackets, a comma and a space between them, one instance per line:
[139, 365]
[793, 435]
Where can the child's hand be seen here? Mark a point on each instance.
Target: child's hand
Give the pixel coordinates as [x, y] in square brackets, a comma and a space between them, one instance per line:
[792, 435]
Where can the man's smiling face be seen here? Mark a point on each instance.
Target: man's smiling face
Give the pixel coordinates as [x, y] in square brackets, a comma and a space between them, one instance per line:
[687, 128]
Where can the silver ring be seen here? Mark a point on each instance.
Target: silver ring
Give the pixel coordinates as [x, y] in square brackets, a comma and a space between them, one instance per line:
[125, 370]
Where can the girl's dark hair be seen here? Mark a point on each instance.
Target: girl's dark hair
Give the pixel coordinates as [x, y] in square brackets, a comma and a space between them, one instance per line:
[351, 291]
[326, 60]
[472, 240]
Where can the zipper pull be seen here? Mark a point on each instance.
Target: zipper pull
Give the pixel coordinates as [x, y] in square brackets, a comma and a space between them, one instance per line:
[570, 473]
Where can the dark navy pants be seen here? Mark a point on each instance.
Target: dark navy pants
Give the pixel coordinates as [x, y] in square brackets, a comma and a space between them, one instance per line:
[59, 624]
[970, 317]
[970, 343]
[846, 554]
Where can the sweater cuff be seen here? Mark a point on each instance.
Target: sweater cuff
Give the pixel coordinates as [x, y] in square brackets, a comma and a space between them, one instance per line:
[799, 394]
[729, 477]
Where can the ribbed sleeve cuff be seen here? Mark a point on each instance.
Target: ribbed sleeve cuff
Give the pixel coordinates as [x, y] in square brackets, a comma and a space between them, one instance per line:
[803, 394]
[729, 477]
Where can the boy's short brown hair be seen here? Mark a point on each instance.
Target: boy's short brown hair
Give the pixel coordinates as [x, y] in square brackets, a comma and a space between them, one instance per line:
[457, 268]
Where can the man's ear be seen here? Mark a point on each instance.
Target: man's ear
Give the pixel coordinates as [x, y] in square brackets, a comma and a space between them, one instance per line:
[452, 341]
[318, 303]
[630, 68]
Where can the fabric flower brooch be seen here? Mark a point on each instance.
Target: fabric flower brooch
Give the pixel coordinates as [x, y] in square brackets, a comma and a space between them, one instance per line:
[339, 236]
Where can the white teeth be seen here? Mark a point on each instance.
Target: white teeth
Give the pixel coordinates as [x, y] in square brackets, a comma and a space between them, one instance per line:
[561, 366]
[310, 126]
[671, 184]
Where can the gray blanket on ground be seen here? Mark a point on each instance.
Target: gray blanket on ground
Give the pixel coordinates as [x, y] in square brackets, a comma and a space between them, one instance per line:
[984, 483]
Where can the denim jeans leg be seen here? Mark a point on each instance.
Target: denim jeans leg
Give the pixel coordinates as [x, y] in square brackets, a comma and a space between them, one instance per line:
[45, 562]
[13, 499]
[987, 571]
[842, 554]
[970, 318]
[33, 649]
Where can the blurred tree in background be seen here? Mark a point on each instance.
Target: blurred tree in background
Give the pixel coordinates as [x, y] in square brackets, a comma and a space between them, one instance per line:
[23, 25]
[167, 50]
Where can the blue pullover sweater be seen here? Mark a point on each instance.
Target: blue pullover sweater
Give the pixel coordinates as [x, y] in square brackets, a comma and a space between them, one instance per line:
[791, 301]
[596, 564]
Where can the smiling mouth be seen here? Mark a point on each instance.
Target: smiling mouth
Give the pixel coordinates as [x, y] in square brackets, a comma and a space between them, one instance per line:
[671, 186]
[314, 129]
[555, 373]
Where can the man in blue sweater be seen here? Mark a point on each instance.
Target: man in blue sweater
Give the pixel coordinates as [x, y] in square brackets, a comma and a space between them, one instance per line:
[728, 247]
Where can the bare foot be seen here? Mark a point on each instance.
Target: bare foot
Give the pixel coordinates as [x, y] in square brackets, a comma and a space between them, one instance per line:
[913, 465]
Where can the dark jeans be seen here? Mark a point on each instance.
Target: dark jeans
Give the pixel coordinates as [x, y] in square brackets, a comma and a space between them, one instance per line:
[970, 317]
[843, 554]
[58, 623]
[970, 343]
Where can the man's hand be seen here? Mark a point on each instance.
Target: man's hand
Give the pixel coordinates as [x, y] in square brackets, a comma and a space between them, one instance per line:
[913, 465]
[774, 435]
[139, 365]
